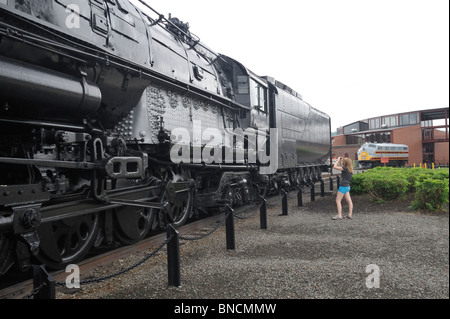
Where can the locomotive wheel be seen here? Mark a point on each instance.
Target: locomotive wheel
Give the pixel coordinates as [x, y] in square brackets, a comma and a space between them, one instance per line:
[180, 206]
[133, 224]
[67, 241]
[6, 256]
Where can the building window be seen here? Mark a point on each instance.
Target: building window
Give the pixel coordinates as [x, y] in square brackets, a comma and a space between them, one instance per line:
[394, 121]
[390, 121]
[409, 119]
[414, 118]
[379, 138]
[404, 119]
[386, 138]
[375, 123]
[427, 123]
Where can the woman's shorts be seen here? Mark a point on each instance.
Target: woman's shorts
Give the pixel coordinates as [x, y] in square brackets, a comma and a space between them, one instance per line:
[344, 190]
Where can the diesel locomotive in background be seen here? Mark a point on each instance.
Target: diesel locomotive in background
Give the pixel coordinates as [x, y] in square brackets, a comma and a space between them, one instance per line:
[373, 154]
[91, 93]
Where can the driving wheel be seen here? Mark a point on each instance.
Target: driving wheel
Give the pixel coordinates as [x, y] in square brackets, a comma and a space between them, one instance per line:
[67, 241]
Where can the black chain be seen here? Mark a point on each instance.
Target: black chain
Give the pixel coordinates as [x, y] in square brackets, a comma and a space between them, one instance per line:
[35, 291]
[100, 279]
[193, 238]
[247, 217]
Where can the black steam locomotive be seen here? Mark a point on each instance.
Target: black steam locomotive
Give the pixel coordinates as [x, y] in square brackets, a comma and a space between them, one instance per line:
[116, 121]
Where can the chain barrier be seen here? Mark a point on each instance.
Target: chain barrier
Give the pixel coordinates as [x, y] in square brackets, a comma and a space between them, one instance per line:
[121, 272]
[230, 211]
[35, 291]
[193, 238]
[249, 216]
[280, 195]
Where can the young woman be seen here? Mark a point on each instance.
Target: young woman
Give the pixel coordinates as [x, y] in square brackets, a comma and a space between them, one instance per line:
[344, 190]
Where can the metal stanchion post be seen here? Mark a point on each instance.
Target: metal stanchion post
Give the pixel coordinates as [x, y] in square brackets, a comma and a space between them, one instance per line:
[331, 184]
[338, 182]
[285, 203]
[263, 213]
[173, 257]
[229, 224]
[300, 197]
[46, 282]
[322, 188]
[313, 193]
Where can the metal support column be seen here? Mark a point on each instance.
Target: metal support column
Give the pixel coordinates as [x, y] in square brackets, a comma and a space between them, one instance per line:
[229, 224]
[173, 257]
[322, 188]
[285, 203]
[300, 197]
[263, 213]
[43, 283]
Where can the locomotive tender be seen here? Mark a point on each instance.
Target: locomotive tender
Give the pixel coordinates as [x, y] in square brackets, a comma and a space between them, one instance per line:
[94, 98]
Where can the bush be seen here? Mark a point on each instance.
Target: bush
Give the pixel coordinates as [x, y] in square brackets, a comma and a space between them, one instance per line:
[429, 187]
[385, 187]
[431, 194]
[357, 184]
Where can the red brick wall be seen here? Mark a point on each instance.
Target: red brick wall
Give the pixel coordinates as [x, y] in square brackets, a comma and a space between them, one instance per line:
[340, 149]
[439, 134]
[441, 153]
[339, 140]
[411, 136]
[349, 151]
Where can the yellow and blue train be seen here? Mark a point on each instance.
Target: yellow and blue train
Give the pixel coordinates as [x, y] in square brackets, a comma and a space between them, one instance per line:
[373, 154]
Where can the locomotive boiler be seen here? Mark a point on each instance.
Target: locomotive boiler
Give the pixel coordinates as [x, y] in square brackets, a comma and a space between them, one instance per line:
[115, 121]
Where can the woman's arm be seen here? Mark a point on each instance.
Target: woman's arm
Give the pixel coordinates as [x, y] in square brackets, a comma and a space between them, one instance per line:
[336, 165]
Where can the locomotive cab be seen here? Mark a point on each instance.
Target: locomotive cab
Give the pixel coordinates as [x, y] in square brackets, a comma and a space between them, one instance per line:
[250, 91]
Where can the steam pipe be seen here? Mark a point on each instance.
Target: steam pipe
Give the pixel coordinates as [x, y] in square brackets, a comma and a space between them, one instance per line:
[48, 88]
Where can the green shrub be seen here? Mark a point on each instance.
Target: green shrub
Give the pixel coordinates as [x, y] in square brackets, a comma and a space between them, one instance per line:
[385, 187]
[413, 175]
[357, 184]
[429, 187]
[431, 194]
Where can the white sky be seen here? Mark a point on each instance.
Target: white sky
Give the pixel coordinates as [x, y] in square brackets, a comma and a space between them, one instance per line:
[352, 59]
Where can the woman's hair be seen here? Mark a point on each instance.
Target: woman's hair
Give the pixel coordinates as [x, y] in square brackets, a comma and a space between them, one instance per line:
[348, 163]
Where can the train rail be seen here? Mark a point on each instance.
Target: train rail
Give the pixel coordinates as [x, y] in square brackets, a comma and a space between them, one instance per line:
[22, 289]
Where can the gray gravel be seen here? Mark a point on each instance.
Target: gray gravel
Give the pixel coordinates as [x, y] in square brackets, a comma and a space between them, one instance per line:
[305, 255]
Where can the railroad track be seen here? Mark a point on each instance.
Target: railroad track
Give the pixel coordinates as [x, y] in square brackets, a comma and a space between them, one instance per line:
[22, 289]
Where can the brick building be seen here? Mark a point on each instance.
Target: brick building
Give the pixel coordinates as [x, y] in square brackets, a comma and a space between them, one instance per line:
[425, 132]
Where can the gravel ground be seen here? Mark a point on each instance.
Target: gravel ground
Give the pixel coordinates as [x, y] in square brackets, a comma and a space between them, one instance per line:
[305, 255]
